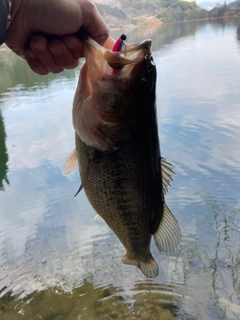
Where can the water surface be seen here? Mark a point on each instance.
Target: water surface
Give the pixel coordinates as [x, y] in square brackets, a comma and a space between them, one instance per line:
[56, 262]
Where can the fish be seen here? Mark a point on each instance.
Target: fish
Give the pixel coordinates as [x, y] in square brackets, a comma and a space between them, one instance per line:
[118, 151]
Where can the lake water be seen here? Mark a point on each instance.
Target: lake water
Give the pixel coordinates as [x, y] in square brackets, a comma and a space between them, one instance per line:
[56, 262]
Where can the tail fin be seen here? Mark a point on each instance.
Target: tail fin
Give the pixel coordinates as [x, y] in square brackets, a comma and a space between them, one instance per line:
[149, 267]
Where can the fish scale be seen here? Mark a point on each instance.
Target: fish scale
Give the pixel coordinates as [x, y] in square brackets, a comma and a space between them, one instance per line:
[128, 196]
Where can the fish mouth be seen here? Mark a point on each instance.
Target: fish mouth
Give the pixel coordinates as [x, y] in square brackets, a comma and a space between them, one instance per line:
[133, 54]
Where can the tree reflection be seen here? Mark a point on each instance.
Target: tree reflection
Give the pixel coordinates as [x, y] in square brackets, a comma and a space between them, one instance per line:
[238, 32]
[3, 155]
[161, 34]
[16, 74]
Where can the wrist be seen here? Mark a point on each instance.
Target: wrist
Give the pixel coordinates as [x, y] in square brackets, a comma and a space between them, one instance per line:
[9, 13]
[16, 19]
[14, 6]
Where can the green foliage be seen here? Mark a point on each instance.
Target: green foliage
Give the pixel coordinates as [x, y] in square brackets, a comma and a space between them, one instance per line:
[182, 11]
[106, 10]
[137, 10]
[184, 5]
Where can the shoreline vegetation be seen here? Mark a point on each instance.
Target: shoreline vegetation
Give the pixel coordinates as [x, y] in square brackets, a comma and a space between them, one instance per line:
[123, 27]
[125, 14]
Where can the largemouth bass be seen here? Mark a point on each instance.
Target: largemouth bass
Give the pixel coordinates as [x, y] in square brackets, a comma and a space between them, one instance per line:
[117, 150]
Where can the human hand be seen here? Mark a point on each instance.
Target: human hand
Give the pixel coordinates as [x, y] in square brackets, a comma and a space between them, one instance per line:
[42, 32]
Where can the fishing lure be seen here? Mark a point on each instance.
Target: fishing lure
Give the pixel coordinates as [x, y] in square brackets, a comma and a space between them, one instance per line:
[119, 44]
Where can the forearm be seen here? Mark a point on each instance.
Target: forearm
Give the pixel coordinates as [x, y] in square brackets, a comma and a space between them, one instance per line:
[4, 8]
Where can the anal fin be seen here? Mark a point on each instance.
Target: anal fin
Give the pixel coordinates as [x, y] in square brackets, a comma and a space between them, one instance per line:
[168, 234]
[149, 267]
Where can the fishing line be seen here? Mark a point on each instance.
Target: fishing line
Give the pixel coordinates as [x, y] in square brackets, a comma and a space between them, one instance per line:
[153, 17]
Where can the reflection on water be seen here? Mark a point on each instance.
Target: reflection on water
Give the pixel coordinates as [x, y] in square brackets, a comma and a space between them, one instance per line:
[238, 31]
[3, 154]
[165, 34]
[17, 77]
[56, 262]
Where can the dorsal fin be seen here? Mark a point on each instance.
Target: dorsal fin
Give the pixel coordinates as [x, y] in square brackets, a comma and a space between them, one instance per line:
[167, 173]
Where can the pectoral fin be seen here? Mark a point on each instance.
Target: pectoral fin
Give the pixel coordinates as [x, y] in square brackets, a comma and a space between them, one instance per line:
[71, 163]
[84, 180]
[149, 267]
[167, 173]
[168, 234]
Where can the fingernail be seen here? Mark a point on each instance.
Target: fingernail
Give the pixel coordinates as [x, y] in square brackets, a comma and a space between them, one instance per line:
[56, 50]
[40, 46]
